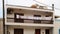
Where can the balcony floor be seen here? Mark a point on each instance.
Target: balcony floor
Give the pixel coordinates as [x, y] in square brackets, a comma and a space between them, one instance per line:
[30, 24]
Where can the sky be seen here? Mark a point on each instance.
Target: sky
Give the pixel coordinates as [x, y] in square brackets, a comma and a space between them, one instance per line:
[1, 10]
[30, 2]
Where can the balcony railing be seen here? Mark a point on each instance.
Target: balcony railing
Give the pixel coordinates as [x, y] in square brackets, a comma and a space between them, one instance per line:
[43, 20]
[35, 18]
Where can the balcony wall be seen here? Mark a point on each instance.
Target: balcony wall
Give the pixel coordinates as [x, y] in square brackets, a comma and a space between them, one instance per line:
[31, 21]
[29, 15]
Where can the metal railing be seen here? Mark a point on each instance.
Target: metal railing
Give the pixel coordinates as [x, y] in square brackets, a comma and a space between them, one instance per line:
[35, 18]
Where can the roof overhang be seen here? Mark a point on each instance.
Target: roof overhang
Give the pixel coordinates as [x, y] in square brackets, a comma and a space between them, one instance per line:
[28, 8]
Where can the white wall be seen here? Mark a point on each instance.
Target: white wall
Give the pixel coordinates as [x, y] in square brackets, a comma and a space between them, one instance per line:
[42, 30]
[27, 30]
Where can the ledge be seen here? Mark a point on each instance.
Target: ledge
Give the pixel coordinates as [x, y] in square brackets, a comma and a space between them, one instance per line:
[30, 24]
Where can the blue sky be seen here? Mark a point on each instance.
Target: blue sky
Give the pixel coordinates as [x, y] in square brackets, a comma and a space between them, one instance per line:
[30, 2]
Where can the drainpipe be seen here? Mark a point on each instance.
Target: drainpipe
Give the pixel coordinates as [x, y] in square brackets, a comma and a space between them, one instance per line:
[53, 18]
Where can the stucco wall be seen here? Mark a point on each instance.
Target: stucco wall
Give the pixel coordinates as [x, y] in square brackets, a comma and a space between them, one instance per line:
[1, 26]
[27, 30]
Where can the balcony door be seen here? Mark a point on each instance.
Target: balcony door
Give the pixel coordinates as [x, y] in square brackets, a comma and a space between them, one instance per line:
[47, 31]
[18, 31]
[37, 31]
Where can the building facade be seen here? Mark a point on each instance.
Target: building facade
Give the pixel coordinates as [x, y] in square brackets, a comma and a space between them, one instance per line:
[29, 20]
[1, 26]
[57, 26]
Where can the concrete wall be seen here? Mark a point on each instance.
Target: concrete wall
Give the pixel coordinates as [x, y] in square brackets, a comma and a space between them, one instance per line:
[1, 26]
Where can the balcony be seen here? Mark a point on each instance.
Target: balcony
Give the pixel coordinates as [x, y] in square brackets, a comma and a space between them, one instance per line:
[28, 19]
[35, 18]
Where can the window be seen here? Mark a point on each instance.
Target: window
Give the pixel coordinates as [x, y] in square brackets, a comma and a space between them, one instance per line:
[59, 31]
[37, 21]
[47, 31]
[37, 31]
[18, 31]
[17, 17]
